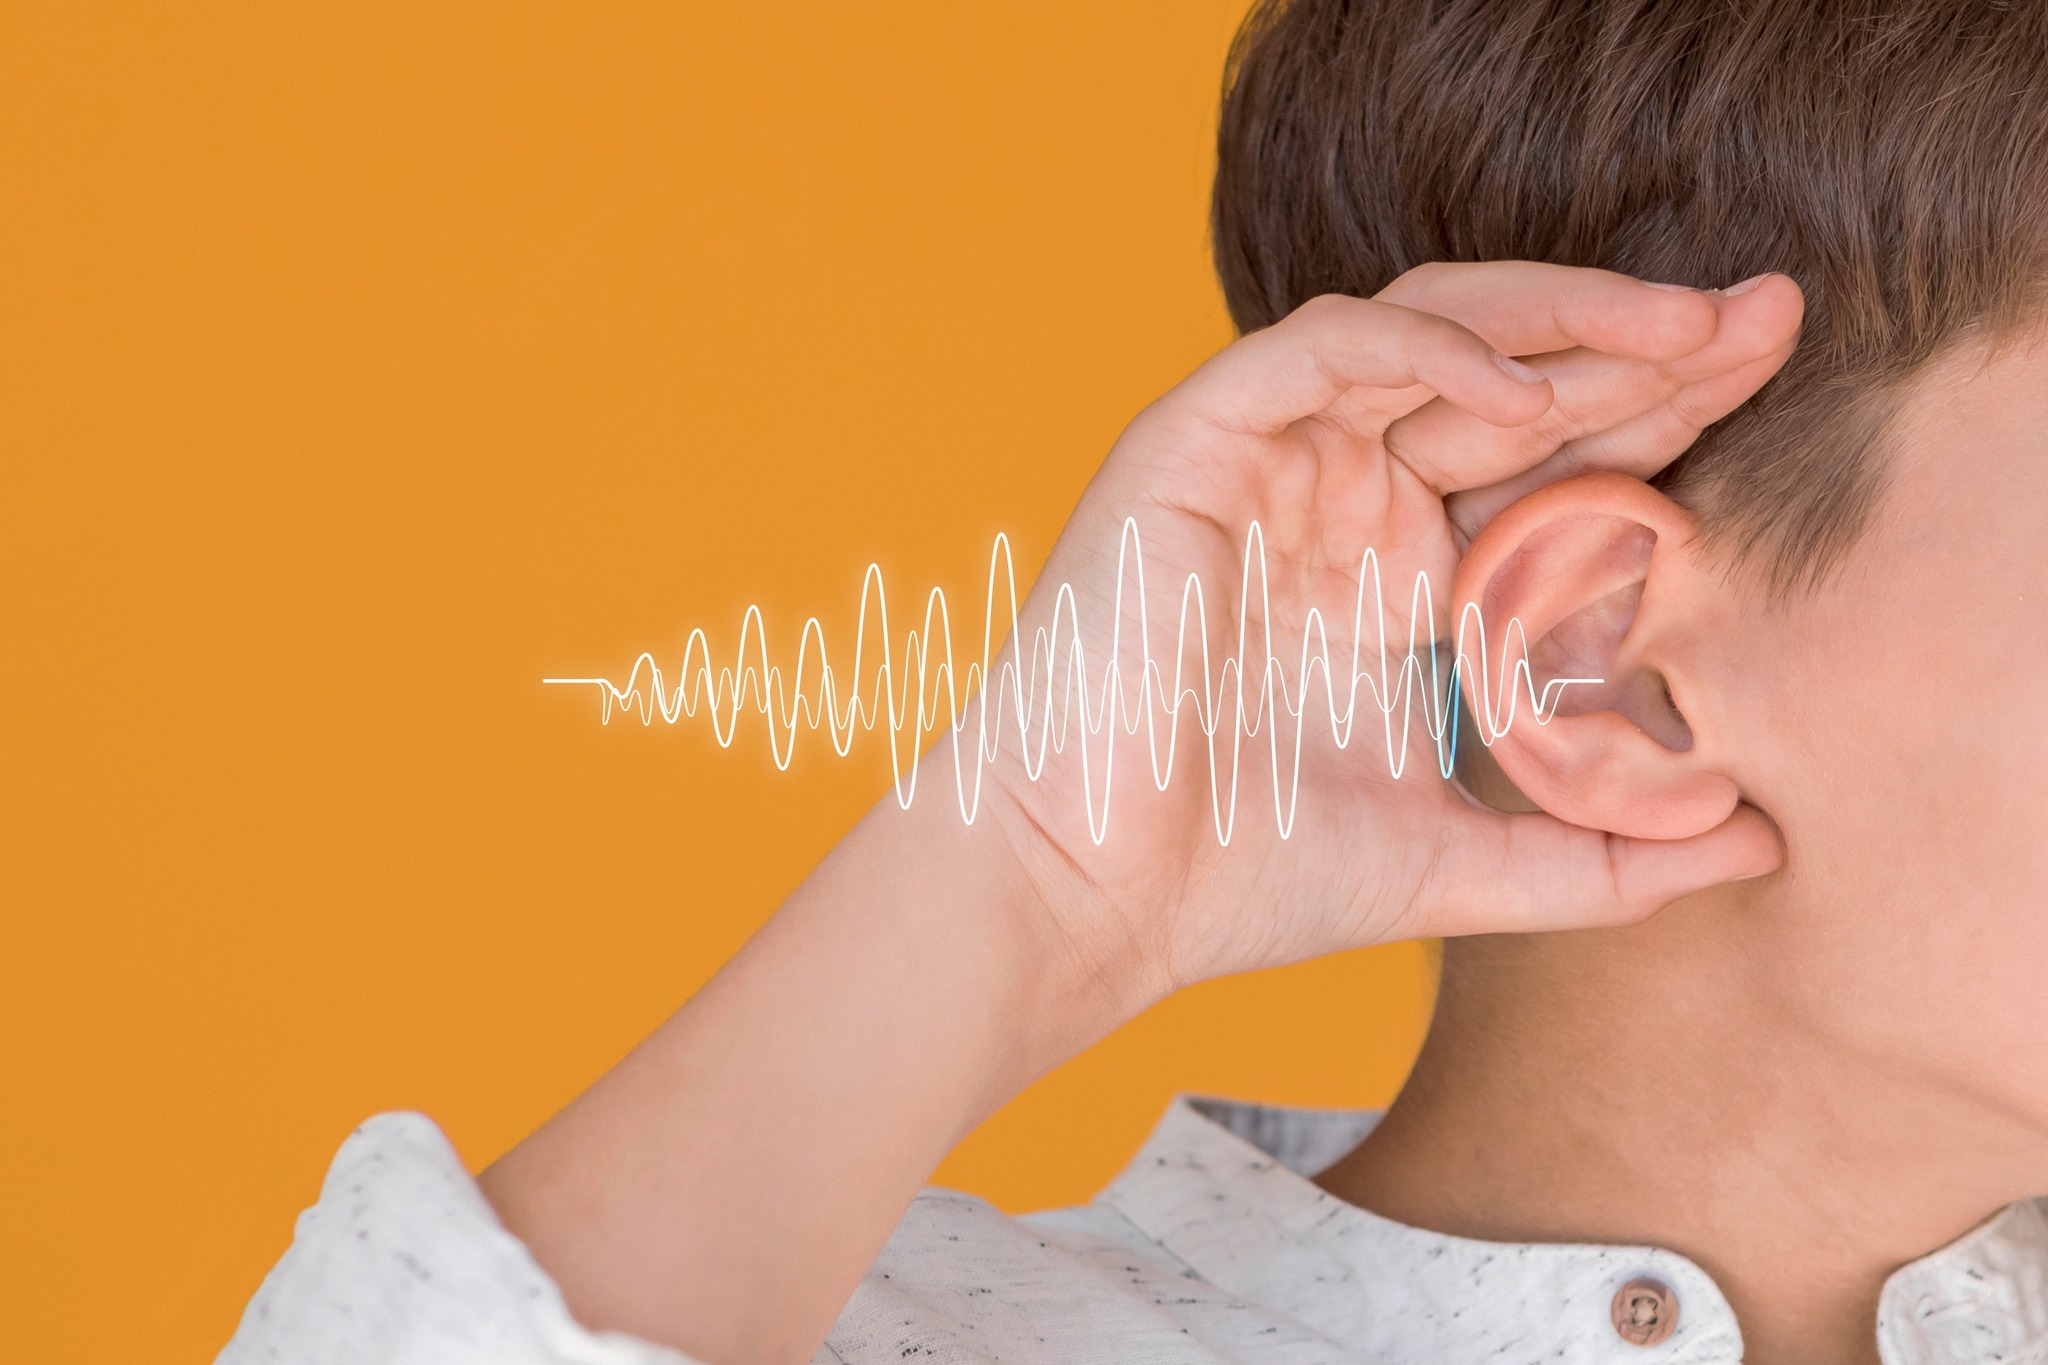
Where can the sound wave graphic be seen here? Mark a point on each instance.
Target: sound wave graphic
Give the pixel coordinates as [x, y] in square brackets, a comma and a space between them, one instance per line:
[1050, 688]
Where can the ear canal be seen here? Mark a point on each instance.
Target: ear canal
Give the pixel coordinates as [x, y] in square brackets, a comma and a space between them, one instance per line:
[1591, 643]
[1575, 585]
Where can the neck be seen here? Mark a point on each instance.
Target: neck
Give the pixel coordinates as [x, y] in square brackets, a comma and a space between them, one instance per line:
[1640, 1086]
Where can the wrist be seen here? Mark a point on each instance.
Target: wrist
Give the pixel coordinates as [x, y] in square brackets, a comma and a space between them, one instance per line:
[996, 903]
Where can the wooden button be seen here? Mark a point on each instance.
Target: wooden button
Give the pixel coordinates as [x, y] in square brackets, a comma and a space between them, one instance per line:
[1645, 1312]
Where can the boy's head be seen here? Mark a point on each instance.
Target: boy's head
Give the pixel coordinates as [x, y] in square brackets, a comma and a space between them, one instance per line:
[1836, 603]
[1890, 155]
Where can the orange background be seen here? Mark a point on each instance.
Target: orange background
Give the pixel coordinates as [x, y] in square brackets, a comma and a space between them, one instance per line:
[357, 369]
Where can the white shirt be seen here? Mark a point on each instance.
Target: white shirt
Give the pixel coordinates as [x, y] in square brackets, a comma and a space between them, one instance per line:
[1212, 1248]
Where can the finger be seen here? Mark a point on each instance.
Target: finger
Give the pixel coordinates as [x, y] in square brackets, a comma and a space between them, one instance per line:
[1528, 307]
[1596, 392]
[1640, 447]
[1333, 346]
[1592, 392]
[1643, 444]
[1528, 872]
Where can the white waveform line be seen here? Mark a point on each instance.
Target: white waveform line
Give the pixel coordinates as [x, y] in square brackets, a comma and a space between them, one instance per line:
[759, 687]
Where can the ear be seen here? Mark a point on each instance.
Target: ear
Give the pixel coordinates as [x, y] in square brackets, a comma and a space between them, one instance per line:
[1596, 578]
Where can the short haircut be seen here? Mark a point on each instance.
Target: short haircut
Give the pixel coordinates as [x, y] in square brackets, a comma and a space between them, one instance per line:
[1889, 155]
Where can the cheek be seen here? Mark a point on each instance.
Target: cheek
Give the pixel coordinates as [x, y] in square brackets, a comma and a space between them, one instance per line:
[1906, 755]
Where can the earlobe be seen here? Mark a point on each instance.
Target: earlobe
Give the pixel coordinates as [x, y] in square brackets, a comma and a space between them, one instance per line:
[1583, 586]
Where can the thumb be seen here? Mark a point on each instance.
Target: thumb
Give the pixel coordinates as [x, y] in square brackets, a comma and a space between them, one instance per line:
[1523, 873]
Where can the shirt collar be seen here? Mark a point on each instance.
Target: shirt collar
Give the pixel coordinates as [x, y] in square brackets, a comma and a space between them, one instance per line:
[1226, 1187]
[1981, 1298]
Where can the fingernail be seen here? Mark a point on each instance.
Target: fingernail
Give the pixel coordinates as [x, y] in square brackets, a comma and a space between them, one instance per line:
[1516, 370]
[1672, 288]
[1752, 282]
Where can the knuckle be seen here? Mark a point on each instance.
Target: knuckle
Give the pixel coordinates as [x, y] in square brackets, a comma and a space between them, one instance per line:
[1421, 278]
[1326, 307]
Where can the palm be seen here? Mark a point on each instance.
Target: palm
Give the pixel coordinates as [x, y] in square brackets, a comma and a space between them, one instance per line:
[1321, 494]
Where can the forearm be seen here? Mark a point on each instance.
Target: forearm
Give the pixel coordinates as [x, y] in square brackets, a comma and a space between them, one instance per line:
[724, 1187]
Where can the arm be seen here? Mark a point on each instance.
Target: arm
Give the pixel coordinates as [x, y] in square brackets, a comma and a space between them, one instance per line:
[723, 1188]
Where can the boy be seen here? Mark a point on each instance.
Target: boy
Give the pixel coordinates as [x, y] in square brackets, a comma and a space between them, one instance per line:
[1777, 1090]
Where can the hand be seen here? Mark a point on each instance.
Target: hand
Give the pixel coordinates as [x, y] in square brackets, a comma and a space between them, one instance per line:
[1388, 423]
[722, 1188]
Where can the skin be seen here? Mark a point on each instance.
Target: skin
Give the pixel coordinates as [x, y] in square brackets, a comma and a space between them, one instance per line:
[724, 1187]
[1847, 1053]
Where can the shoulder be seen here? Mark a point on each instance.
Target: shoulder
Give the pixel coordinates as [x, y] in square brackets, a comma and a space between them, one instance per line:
[402, 1260]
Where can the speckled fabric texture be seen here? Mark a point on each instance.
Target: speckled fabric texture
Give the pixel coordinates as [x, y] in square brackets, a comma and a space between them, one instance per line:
[402, 1262]
[1212, 1248]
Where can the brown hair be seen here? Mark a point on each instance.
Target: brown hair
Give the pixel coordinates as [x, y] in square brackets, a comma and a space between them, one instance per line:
[1890, 155]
